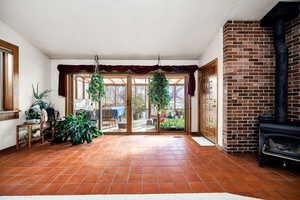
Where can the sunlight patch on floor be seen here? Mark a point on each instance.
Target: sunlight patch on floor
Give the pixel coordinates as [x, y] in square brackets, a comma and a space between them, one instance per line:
[203, 141]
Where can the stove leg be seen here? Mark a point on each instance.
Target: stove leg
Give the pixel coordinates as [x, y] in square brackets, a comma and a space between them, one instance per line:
[284, 164]
[261, 161]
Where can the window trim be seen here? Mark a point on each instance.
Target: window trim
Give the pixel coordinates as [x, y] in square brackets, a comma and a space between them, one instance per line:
[12, 100]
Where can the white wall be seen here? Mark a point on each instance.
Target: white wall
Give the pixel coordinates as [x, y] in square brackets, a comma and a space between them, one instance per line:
[59, 102]
[215, 50]
[34, 68]
[194, 107]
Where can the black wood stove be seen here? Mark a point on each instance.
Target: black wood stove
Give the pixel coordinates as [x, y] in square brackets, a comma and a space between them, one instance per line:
[279, 138]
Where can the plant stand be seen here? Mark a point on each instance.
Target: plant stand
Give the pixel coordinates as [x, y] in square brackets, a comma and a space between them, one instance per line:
[29, 132]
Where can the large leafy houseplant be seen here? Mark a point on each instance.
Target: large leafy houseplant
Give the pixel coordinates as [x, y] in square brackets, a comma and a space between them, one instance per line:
[76, 127]
[159, 92]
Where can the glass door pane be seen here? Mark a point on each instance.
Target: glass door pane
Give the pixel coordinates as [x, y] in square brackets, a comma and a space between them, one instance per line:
[114, 109]
[143, 119]
[173, 118]
[81, 100]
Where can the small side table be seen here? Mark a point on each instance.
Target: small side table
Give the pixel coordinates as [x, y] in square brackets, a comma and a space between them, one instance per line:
[122, 125]
[29, 131]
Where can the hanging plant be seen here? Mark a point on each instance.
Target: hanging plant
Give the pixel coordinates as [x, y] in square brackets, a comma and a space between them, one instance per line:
[159, 91]
[96, 87]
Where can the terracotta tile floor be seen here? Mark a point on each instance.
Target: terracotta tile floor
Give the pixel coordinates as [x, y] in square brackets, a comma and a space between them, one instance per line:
[140, 164]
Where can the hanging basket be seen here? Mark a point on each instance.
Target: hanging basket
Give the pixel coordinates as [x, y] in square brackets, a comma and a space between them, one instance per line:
[96, 87]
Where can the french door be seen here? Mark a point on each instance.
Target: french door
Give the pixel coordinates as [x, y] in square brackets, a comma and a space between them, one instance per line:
[126, 107]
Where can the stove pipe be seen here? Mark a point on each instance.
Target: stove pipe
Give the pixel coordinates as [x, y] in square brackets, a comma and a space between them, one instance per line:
[276, 17]
[281, 76]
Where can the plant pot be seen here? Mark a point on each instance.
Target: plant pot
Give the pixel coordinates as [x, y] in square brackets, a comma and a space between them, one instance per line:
[31, 121]
[135, 116]
[43, 105]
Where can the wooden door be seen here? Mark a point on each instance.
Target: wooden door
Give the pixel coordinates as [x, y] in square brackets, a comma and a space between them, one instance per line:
[208, 99]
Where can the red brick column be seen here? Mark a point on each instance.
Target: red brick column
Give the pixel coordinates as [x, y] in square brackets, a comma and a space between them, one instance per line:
[249, 67]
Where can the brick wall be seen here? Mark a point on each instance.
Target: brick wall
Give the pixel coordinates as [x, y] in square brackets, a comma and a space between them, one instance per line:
[293, 43]
[249, 67]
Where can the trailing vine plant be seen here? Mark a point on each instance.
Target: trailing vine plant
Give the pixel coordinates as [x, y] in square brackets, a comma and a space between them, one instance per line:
[159, 92]
[96, 88]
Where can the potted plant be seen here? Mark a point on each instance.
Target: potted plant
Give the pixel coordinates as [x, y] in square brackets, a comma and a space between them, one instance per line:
[159, 93]
[39, 98]
[34, 113]
[173, 124]
[138, 107]
[77, 128]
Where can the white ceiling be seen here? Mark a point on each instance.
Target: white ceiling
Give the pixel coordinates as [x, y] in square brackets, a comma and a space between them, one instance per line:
[125, 29]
